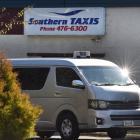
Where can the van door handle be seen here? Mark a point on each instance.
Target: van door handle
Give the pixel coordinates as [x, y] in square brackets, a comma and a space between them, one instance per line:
[58, 93]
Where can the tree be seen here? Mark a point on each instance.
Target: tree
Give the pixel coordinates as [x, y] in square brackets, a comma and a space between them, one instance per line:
[17, 115]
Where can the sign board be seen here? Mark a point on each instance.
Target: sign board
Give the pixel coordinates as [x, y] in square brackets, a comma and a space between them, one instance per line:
[64, 21]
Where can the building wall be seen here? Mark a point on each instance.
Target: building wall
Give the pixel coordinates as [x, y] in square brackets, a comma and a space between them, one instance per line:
[121, 43]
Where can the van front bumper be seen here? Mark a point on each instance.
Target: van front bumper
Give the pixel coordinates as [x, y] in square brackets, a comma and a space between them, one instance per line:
[104, 119]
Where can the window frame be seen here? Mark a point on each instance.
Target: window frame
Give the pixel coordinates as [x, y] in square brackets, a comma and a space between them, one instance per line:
[74, 70]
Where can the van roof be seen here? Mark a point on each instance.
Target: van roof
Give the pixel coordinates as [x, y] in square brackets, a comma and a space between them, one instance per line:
[17, 62]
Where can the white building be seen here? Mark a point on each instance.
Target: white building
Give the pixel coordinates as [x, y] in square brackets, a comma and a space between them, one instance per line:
[120, 43]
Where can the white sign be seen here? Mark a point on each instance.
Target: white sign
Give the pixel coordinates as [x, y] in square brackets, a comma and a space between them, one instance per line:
[64, 21]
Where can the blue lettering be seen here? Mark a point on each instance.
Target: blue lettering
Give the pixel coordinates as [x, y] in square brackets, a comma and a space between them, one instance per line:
[64, 22]
[55, 22]
[85, 21]
[73, 20]
[96, 21]
[78, 21]
[91, 21]
[45, 21]
[40, 22]
[31, 21]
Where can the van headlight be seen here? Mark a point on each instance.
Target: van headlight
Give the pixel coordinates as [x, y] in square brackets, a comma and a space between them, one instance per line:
[98, 104]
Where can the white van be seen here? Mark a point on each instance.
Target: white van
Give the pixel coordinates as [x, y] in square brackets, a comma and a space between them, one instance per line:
[80, 95]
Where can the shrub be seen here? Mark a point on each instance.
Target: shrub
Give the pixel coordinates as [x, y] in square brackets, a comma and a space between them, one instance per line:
[17, 115]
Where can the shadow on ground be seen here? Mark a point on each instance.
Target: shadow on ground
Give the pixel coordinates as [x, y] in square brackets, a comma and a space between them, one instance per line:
[91, 138]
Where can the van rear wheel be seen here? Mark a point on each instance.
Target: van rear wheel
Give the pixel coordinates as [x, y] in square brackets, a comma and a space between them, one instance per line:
[68, 127]
[117, 133]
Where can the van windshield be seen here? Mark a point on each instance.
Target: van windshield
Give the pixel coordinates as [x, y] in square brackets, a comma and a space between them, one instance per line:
[106, 76]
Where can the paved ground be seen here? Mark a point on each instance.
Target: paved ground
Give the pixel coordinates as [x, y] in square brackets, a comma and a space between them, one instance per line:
[100, 138]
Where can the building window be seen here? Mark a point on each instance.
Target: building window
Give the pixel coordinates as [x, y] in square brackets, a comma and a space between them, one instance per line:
[65, 76]
[32, 78]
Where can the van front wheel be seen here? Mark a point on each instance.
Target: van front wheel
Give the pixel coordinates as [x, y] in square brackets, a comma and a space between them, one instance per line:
[68, 127]
[117, 133]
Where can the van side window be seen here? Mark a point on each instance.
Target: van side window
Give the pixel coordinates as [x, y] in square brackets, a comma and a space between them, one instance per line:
[32, 78]
[65, 76]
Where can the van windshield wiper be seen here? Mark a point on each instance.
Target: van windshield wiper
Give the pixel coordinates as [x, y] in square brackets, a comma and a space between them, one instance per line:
[102, 84]
[110, 84]
[107, 84]
[126, 84]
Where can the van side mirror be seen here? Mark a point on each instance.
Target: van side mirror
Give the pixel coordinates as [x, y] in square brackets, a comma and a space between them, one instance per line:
[78, 84]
